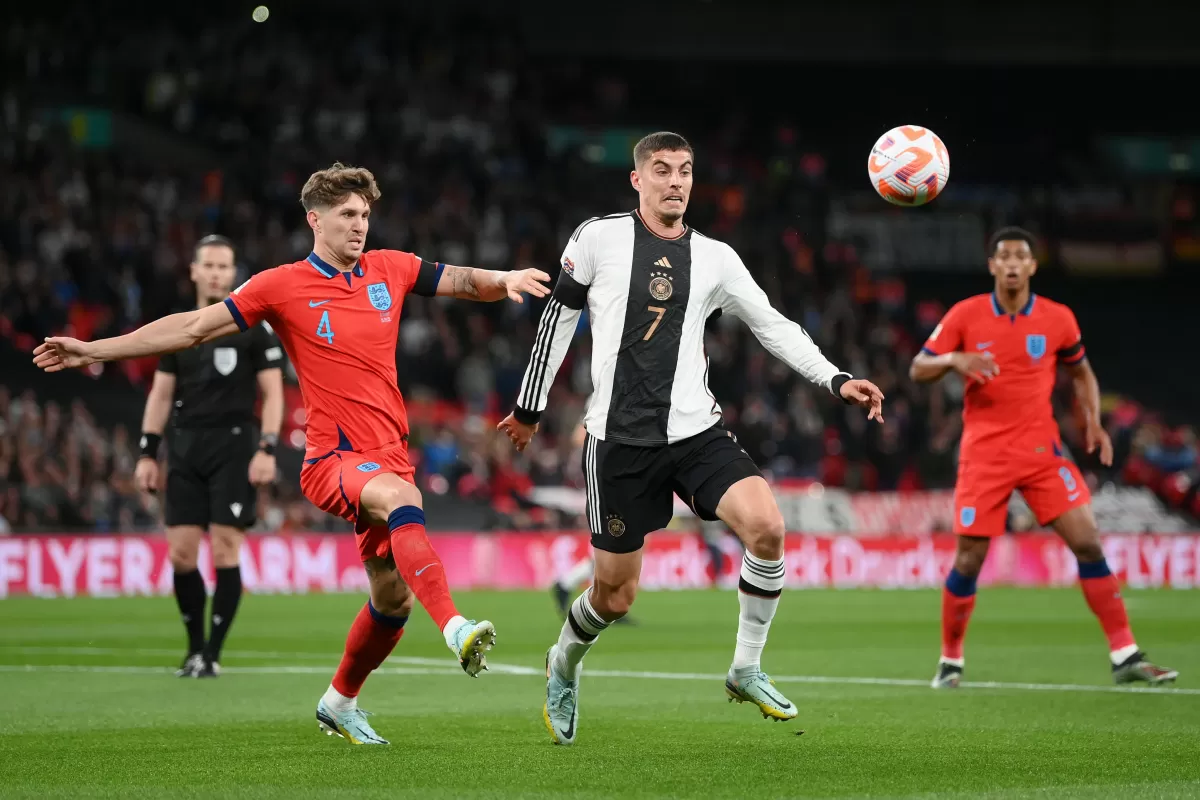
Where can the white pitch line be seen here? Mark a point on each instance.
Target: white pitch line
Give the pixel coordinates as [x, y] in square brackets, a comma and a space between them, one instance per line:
[860, 681]
[500, 669]
[80, 668]
[428, 666]
[149, 651]
[281, 670]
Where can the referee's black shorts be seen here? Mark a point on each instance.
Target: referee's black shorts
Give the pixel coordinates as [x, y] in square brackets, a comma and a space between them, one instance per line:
[208, 476]
[630, 488]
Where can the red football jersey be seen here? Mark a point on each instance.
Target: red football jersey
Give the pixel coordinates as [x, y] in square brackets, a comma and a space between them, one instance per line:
[339, 329]
[1011, 415]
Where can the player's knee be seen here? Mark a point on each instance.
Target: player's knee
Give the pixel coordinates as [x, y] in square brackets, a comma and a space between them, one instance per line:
[385, 499]
[183, 558]
[614, 606]
[226, 546]
[394, 601]
[969, 565]
[968, 562]
[1088, 552]
[763, 532]
[613, 601]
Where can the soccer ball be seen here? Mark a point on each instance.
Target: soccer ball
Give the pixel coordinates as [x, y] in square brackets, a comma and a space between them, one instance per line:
[909, 166]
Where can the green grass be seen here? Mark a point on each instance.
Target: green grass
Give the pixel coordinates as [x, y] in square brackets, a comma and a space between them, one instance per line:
[69, 729]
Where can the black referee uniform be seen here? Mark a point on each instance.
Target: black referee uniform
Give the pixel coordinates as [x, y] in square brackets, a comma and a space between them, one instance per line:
[213, 431]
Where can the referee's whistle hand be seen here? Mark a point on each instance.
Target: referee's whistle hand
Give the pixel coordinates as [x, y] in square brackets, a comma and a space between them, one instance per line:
[262, 469]
[145, 475]
[520, 433]
[865, 394]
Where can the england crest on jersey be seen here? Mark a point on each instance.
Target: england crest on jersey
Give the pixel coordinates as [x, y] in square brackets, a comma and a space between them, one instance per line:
[379, 296]
[1035, 345]
[225, 359]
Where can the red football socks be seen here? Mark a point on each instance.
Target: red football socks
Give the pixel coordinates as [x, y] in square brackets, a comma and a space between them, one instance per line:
[372, 638]
[1103, 595]
[419, 565]
[956, 613]
[958, 601]
[1100, 588]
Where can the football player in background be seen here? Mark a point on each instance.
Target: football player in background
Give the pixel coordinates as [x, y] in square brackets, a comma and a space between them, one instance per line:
[1008, 345]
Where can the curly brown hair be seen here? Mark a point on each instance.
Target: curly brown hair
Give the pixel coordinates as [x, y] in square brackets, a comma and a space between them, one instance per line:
[329, 187]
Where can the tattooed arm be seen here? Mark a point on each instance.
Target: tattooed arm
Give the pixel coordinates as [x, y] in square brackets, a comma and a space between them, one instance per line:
[488, 286]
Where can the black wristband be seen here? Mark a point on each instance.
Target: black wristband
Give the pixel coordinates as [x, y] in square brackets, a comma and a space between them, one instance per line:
[836, 384]
[149, 445]
[526, 417]
[268, 442]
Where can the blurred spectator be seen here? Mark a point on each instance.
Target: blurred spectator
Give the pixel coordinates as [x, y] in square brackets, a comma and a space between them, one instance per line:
[440, 456]
[65, 472]
[1174, 452]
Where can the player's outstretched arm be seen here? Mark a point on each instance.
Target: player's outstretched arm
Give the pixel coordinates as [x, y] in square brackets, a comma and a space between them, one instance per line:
[489, 285]
[166, 335]
[790, 343]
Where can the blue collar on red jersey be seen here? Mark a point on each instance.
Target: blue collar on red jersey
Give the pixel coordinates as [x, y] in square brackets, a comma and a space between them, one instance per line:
[330, 271]
[1024, 312]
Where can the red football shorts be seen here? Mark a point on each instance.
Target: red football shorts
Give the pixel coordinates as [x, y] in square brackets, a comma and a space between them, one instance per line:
[1051, 486]
[333, 483]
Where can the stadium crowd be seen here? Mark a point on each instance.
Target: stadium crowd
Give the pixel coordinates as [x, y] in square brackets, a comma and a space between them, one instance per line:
[95, 241]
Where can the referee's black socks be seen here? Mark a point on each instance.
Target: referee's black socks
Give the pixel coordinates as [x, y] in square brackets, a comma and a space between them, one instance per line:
[224, 606]
[190, 595]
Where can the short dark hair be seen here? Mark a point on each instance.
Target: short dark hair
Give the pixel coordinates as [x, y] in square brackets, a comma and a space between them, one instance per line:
[1010, 234]
[213, 239]
[663, 140]
[328, 187]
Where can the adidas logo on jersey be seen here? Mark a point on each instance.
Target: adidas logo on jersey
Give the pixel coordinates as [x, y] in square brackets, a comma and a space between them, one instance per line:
[236, 508]
[662, 262]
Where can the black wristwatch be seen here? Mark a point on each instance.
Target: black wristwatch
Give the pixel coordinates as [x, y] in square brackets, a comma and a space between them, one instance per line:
[149, 445]
[267, 443]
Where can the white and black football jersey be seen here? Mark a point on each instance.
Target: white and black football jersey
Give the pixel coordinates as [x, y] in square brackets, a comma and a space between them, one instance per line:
[648, 299]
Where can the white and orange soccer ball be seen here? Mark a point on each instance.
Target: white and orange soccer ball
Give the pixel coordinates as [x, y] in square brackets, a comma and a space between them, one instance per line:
[909, 166]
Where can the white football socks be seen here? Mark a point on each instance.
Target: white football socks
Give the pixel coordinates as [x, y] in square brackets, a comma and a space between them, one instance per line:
[1120, 656]
[338, 702]
[758, 596]
[578, 635]
[452, 626]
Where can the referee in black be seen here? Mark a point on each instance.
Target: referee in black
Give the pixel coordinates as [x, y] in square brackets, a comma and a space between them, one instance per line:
[216, 456]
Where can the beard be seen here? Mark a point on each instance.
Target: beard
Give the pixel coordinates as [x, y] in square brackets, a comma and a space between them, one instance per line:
[671, 214]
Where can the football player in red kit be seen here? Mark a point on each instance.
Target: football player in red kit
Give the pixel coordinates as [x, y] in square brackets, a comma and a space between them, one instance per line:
[1008, 345]
[337, 313]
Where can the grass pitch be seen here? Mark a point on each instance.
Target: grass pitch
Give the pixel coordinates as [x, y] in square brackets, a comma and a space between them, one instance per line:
[90, 708]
